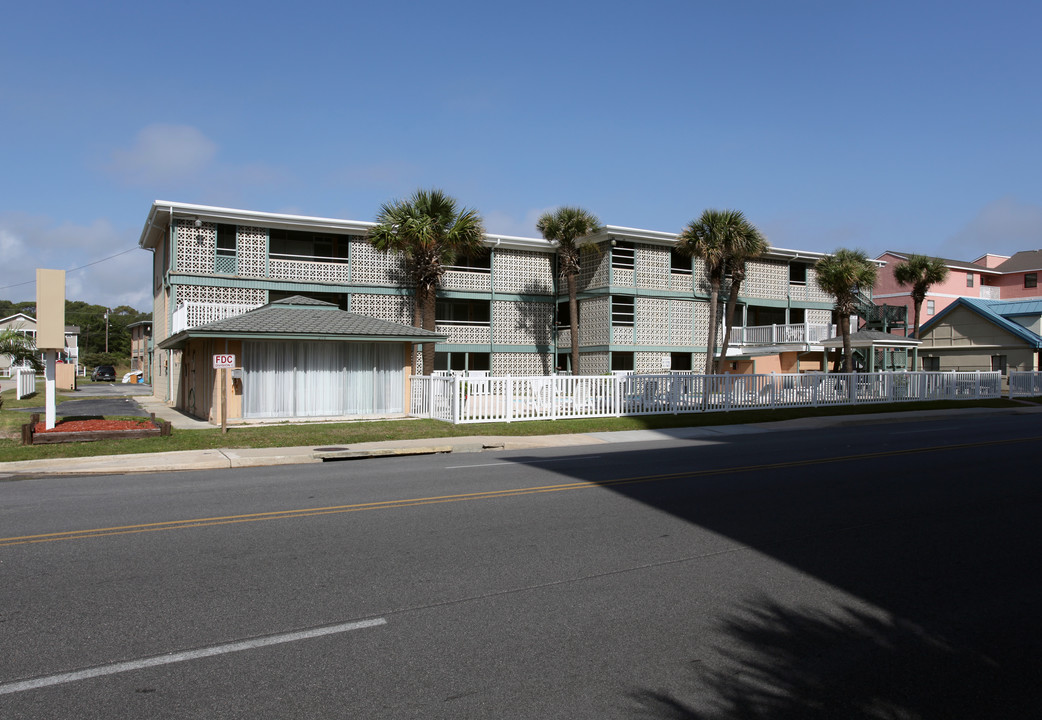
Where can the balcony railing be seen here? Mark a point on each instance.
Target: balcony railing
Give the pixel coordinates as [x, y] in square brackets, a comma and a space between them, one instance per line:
[800, 333]
[193, 314]
[990, 292]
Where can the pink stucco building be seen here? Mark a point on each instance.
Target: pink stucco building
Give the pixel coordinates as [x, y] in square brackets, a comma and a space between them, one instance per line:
[991, 277]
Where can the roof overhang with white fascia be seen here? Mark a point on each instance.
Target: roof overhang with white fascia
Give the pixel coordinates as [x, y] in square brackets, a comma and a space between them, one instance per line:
[518, 243]
[965, 267]
[657, 237]
[163, 211]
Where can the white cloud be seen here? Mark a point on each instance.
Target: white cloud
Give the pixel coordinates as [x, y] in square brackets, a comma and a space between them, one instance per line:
[1003, 227]
[163, 154]
[503, 223]
[96, 271]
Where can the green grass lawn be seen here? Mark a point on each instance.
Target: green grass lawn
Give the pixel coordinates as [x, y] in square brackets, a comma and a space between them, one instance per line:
[340, 434]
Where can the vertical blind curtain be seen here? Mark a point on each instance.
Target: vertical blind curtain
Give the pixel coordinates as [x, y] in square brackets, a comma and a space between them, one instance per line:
[315, 379]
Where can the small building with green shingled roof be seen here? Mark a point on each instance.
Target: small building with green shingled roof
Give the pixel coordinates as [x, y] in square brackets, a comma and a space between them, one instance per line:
[298, 357]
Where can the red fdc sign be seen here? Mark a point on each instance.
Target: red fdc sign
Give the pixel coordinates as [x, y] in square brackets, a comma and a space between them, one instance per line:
[223, 361]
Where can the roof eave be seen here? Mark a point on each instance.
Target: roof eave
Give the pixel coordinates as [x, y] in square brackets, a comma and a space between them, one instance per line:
[178, 341]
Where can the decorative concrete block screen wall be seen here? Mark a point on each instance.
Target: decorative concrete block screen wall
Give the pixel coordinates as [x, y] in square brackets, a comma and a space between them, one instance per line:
[523, 273]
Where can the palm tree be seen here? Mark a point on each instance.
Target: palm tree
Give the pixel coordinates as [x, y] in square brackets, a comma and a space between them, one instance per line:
[841, 275]
[430, 230]
[743, 246]
[715, 237]
[564, 226]
[920, 272]
[21, 348]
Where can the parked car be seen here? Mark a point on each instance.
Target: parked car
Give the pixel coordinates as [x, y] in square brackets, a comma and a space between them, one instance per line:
[103, 373]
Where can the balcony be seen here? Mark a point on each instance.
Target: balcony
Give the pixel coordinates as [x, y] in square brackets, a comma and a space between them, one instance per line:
[800, 333]
[193, 314]
[990, 292]
[465, 333]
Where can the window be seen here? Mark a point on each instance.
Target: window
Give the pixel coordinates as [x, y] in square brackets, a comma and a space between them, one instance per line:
[622, 254]
[679, 263]
[932, 364]
[462, 361]
[622, 361]
[797, 273]
[998, 363]
[969, 279]
[1030, 280]
[225, 262]
[476, 262]
[757, 316]
[564, 315]
[462, 312]
[680, 361]
[929, 307]
[622, 310]
[293, 245]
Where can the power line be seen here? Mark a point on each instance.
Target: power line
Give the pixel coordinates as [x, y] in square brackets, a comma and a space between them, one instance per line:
[81, 267]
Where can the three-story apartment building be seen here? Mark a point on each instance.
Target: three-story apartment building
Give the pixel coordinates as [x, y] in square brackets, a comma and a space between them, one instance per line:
[643, 307]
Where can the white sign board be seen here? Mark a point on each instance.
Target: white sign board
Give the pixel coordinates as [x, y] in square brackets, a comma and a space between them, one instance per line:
[667, 362]
[223, 361]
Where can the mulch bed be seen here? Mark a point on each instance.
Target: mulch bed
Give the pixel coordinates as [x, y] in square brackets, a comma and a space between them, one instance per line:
[95, 426]
[91, 429]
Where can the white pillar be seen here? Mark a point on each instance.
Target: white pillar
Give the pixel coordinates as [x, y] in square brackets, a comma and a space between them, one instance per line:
[49, 374]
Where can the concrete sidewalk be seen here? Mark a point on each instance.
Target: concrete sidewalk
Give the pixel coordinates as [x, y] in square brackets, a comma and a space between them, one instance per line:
[262, 457]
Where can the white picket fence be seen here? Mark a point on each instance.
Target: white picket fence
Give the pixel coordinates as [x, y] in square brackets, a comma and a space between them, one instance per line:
[1025, 383]
[25, 380]
[510, 399]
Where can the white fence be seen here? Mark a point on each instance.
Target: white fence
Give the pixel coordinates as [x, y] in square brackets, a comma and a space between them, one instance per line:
[1025, 383]
[509, 399]
[25, 379]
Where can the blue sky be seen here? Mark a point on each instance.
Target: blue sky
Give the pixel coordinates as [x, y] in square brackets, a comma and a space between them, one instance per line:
[911, 126]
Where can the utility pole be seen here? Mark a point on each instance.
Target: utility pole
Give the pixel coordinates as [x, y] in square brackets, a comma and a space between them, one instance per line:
[106, 330]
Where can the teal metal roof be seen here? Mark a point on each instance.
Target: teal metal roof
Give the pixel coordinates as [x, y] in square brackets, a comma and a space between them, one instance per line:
[997, 312]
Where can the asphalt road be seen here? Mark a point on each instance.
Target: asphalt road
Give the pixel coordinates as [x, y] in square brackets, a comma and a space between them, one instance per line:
[96, 400]
[888, 571]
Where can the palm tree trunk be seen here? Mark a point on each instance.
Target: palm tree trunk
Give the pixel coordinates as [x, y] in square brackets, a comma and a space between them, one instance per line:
[429, 323]
[918, 309]
[417, 321]
[573, 320]
[732, 301]
[848, 358]
[714, 302]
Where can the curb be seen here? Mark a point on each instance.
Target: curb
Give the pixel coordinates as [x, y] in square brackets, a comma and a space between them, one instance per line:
[348, 454]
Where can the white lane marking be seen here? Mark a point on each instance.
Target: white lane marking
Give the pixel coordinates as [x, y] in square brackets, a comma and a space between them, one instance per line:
[169, 658]
[526, 462]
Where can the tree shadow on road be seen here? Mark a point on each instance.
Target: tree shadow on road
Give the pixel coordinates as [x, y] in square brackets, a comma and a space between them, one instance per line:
[847, 663]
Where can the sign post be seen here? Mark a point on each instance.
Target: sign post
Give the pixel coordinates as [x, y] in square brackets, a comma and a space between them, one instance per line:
[50, 330]
[224, 363]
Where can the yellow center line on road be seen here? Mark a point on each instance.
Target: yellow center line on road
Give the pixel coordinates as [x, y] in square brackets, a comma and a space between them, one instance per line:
[486, 495]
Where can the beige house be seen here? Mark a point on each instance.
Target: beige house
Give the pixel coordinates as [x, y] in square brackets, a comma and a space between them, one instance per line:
[976, 334]
[26, 325]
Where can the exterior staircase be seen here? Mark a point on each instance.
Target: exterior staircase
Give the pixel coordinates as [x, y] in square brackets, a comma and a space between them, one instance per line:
[884, 318]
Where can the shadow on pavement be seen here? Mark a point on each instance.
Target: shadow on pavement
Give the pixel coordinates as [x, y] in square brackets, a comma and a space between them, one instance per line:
[942, 547]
